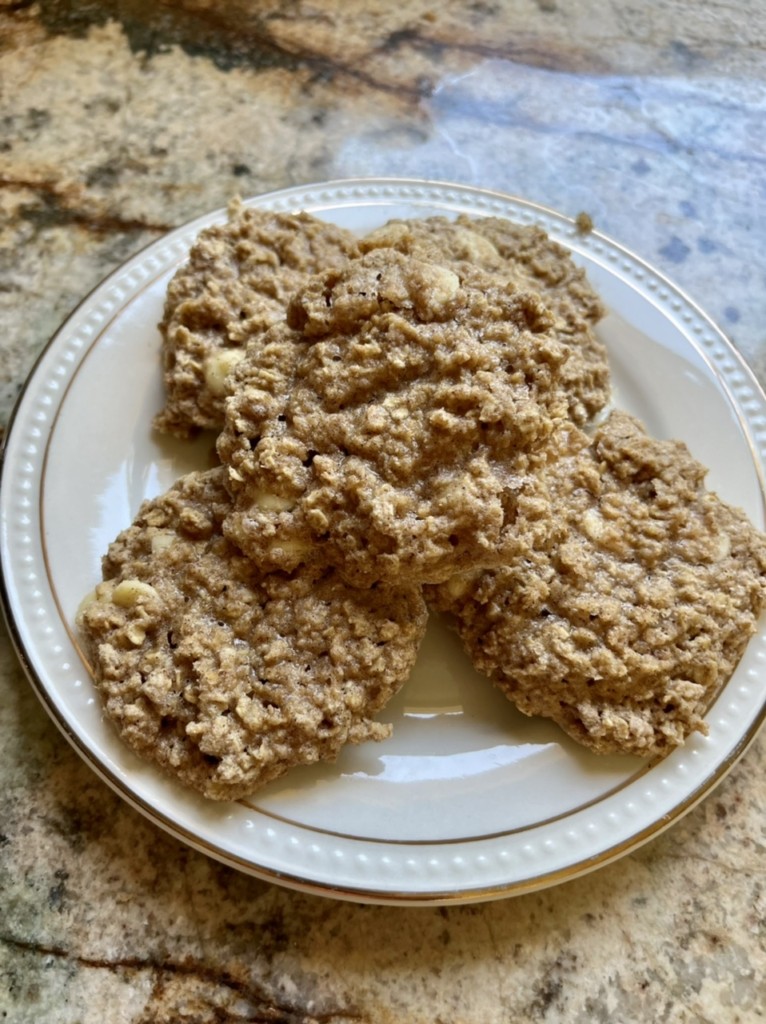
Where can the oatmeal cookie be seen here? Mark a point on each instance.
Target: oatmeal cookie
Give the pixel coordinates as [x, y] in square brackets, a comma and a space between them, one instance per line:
[526, 257]
[623, 622]
[399, 444]
[235, 284]
[226, 676]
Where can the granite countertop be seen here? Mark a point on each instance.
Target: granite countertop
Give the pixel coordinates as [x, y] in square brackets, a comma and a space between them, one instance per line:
[121, 120]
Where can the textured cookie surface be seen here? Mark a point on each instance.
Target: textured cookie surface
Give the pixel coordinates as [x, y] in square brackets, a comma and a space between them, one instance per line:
[525, 257]
[623, 621]
[396, 442]
[226, 676]
[236, 283]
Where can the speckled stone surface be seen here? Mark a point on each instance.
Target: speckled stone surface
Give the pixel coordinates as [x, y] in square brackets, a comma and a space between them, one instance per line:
[120, 120]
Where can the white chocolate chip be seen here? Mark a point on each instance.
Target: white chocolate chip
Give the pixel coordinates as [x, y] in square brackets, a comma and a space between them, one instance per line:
[130, 592]
[592, 524]
[267, 501]
[439, 286]
[162, 540]
[218, 367]
[293, 549]
[723, 547]
[476, 247]
[457, 586]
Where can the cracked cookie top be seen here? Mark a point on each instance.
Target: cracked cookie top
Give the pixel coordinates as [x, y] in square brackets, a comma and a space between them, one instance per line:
[394, 432]
[525, 257]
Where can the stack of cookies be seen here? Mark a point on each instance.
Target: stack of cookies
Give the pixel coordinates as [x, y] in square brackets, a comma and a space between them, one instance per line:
[413, 419]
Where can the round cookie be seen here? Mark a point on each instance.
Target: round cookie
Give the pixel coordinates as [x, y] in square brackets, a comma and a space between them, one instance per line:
[226, 676]
[525, 256]
[625, 619]
[236, 282]
[396, 444]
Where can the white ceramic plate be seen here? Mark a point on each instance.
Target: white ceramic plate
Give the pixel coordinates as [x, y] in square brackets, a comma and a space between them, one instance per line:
[469, 800]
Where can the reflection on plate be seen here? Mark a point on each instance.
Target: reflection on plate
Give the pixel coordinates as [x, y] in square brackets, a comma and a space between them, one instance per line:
[469, 800]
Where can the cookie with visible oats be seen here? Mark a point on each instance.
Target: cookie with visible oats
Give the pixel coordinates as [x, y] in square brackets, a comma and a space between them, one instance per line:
[236, 282]
[624, 620]
[395, 444]
[224, 675]
[528, 258]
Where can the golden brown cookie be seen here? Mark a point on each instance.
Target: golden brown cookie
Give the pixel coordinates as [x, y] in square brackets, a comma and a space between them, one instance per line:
[226, 676]
[526, 257]
[396, 444]
[622, 622]
[236, 283]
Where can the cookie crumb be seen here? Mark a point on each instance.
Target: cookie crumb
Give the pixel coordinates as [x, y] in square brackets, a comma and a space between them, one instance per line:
[584, 223]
